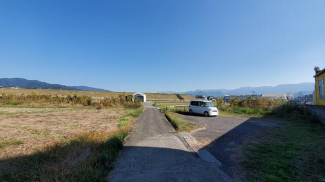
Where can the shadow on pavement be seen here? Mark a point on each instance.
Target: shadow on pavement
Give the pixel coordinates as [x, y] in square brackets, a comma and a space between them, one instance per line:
[146, 164]
[227, 134]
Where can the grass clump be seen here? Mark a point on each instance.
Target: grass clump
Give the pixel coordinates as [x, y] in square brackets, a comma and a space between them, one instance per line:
[132, 115]
[178, 124]
[6, 143]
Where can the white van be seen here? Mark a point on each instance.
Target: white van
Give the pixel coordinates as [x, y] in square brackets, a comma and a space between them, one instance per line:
[203, 107]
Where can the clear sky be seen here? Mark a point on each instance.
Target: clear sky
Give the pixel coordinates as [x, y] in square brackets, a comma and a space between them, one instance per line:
[160, 45]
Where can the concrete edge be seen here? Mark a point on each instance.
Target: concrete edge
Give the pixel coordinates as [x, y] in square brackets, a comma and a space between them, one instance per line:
[203, 154]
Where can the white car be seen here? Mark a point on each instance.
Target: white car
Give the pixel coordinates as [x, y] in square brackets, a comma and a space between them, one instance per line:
[203, 107]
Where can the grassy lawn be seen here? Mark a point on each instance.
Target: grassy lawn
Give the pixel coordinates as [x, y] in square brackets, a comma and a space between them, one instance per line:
[294, 152]
[170, 114]
[179, 124]
[62, 145]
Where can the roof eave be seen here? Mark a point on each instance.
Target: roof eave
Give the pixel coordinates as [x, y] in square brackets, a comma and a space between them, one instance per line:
[321, 72]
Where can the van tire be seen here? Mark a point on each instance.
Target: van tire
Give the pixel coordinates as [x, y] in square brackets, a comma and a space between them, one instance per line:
[191, 112]
[206, 114]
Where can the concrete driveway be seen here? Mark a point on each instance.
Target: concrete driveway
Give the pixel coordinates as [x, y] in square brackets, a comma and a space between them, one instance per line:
[153, 152]
[222, 136]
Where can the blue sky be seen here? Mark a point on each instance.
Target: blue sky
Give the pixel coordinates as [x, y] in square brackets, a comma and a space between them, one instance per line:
[159, 45]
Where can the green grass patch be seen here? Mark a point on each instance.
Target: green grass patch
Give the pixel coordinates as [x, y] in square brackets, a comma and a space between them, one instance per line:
[13, 103]
[243, 111]
[178, 124]
[135, 113]
[7, 143]
[123, 124]
[295, 152]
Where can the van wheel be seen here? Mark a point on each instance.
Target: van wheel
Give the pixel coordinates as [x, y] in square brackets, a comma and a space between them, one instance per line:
[191, 112]
[206, 114]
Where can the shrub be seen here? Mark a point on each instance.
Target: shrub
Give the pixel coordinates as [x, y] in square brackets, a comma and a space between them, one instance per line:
[74, 100]
[264, 104]
[293, 111]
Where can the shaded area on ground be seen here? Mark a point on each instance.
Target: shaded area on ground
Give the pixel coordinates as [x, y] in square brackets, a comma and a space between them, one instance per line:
[223, 135]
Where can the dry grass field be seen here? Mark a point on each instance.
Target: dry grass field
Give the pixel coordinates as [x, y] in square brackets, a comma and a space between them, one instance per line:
[71, 137]
[150, 96]
[60, 92]
[26, 133]
[61, 142]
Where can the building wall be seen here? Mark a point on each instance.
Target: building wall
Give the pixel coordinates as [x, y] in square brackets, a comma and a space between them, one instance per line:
[318, 100]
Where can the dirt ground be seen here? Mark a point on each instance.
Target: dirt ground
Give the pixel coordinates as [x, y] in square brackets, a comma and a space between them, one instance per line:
[24, 133]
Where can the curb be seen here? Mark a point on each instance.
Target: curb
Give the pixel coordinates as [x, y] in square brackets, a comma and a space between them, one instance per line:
[202, 153]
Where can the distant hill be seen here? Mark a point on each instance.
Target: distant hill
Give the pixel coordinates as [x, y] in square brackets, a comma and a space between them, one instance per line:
[303, 88]
[87, 88]
[35, 84]
[284, 88]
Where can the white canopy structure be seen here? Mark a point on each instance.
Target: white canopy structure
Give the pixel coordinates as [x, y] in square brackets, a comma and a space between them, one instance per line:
[141, 97]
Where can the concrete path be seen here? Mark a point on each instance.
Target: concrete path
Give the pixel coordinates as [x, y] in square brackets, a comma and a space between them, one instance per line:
[153, 153]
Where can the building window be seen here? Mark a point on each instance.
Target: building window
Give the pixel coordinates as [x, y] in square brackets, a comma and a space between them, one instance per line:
[321, 88]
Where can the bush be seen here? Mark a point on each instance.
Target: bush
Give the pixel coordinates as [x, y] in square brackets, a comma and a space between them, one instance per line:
[262, 103]
[293, 111]
[74, 100]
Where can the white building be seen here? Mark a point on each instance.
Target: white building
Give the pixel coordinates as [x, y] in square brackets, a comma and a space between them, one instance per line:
[141, 97]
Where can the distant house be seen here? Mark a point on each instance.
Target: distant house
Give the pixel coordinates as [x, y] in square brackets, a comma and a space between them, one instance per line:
[304, 99]
[1, 86]
[201, 97]
[275, 96]
[319, 86]
[211, 98]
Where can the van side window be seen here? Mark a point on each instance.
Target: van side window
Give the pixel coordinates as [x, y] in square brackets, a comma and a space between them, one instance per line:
[194, 103]
[200, 104]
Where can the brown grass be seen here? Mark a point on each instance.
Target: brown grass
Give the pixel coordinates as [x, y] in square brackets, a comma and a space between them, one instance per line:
[61, 92]
[39, 130]
[96, 94]
[61, 145]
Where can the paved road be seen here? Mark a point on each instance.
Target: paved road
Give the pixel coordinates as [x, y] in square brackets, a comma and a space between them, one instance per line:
[225, 134]
[153, 153]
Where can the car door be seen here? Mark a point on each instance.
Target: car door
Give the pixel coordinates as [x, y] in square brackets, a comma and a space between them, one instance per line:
[194, 106]
[200, 108]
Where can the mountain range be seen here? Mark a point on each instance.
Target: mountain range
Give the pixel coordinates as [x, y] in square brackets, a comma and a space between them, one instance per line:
[301, 88]
[35, 84]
